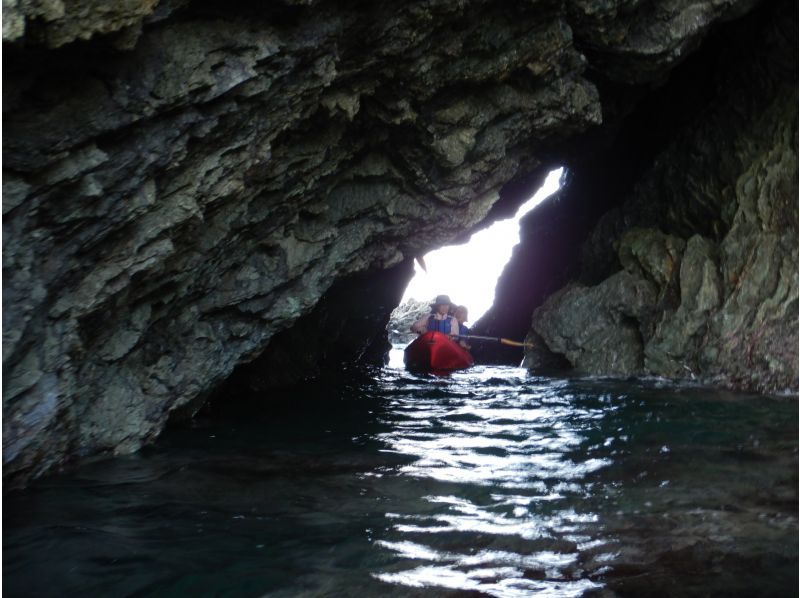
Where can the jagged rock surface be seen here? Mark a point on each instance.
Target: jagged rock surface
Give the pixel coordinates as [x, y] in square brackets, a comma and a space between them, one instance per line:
[332, 335]
[707, 246]
[171, 208]
[404, 316]
[184, 181]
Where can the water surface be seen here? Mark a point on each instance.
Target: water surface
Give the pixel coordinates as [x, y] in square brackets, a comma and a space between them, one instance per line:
[489, 482]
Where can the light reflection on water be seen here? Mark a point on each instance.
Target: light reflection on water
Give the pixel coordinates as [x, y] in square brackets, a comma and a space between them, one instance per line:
[518, 446]
[487, 481]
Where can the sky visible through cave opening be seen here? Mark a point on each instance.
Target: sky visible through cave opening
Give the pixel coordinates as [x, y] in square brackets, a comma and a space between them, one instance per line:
[468, 273]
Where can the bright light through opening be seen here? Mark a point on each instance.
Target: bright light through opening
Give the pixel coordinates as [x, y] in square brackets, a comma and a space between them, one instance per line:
[469, 272]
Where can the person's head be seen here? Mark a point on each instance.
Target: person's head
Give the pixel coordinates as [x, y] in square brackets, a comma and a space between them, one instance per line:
[441, 305]
[461, 314]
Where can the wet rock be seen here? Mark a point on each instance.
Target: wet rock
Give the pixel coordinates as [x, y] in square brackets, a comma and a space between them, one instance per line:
[597, 328]
[333, 337]
[185, 181]
[55, 22]
[175, 199]
[679, 337]
[635, 41]
[404, 316]
[712, 226]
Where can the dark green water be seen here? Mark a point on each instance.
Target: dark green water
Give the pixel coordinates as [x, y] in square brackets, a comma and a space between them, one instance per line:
[489, 482]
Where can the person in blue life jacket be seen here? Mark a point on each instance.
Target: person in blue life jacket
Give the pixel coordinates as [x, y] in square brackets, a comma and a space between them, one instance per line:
[461, 314]
[439, 320]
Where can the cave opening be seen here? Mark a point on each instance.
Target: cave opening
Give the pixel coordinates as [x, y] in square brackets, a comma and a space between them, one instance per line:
[211, 210]
[467, 272]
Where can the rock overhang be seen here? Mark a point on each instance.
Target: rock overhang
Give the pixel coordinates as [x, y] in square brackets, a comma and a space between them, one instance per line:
[720, 265]
[191, 182]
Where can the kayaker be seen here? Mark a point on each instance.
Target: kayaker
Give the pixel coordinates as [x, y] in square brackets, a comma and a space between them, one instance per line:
[439, 320]
[461, 314]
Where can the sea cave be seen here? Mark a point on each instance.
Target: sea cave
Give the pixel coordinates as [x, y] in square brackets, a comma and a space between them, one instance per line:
[215, 207]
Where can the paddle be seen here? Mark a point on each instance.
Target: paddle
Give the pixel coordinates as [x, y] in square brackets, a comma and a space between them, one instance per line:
[504, 341]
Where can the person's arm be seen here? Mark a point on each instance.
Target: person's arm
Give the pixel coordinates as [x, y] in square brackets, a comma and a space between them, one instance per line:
[454, 327]
[465, 331]
[421, 325]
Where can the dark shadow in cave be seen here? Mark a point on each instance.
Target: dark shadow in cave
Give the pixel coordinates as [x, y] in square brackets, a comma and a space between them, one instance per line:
[603, 166]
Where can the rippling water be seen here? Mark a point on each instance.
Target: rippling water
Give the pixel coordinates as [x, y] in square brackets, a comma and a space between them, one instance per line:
[489, 482]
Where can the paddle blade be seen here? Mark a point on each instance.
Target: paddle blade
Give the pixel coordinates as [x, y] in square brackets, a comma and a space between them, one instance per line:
[506, 341]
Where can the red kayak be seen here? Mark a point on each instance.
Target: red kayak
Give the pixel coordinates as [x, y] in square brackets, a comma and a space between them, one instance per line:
[436, 352]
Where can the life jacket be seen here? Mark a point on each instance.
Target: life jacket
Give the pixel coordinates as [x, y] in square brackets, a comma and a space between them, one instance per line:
[463, 330]
[435, 325]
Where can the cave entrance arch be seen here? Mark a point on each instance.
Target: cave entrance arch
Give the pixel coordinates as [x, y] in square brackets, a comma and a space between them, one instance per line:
[468, 272]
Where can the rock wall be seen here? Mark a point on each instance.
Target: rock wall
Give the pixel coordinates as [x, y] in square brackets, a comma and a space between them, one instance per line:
[705, 245]
[402, 318]
[183, 181]
[347, 327]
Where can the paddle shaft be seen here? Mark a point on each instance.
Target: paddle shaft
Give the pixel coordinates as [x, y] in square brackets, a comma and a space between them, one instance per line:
[504, 341]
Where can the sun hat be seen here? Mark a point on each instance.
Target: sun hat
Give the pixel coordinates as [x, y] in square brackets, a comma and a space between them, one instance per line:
[441, 300]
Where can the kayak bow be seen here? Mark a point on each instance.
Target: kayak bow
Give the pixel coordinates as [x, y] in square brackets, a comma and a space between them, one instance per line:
[436, 352]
